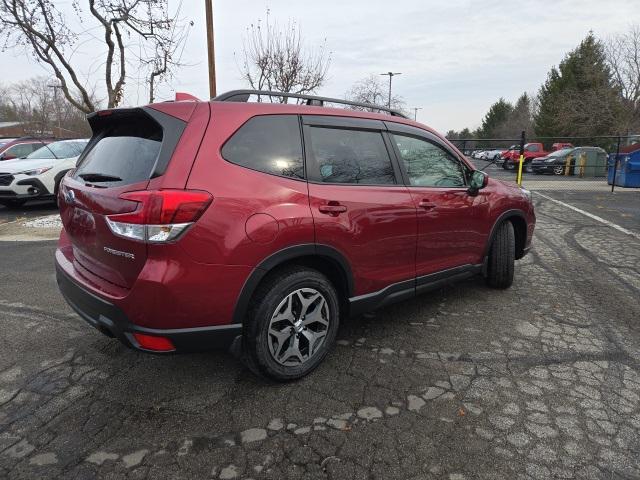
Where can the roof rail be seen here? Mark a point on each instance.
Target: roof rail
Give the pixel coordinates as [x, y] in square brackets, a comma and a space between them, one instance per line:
[312, 100]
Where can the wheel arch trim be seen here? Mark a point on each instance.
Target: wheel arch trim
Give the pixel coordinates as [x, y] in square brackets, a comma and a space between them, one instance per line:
[280, 257]
[506, 215]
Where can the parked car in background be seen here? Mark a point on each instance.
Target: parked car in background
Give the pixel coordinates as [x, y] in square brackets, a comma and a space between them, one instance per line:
[531, 150]
[509, 151]
[190, 225]
[495, 154]
[560, 146]
[4, 141]
[595, 159]
[21, 147]
[38, 176]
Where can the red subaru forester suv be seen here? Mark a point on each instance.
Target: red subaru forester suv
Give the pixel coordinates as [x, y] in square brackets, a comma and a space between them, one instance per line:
[190, 225]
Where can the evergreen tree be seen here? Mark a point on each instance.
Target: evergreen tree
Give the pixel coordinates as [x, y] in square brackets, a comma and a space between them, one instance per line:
[579, 97]
[495, 118]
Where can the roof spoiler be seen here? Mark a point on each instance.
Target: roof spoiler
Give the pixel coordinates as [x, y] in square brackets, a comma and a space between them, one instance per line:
[182, 96]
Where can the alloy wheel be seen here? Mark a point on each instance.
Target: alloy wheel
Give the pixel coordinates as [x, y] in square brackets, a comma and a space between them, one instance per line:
[298, 327]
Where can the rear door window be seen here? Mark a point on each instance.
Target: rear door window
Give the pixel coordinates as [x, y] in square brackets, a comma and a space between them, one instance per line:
[125, 151]
[270, 144]
[349, 156]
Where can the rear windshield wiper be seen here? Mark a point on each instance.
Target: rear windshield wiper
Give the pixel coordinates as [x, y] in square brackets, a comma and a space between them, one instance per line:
[99, 177]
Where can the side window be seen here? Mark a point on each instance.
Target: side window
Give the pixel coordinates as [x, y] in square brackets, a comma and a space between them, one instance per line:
[350, 156]
[270, 144]
[429, 165]
[532, 148]
[20, 151]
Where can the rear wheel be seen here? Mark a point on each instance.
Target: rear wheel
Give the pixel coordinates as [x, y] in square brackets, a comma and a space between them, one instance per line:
[292, 324]
[502, 257]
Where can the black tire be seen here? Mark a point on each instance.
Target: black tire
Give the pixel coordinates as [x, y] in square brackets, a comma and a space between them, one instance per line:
[269, 295]
[558, 170]
[502, 255]
[12, 204]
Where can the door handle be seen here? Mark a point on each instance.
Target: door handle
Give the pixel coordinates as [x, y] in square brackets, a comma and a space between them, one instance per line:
[333, 208]
[426, 204]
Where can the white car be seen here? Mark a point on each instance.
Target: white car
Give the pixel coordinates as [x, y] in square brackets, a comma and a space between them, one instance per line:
[38, 175]
[492, 154]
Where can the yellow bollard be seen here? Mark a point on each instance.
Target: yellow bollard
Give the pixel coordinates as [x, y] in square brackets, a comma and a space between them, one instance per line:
[582, 163]
[519, 177]
[567, 164]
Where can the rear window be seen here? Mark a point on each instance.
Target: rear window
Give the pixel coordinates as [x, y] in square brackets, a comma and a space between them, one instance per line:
[268, 143]
[125, 152]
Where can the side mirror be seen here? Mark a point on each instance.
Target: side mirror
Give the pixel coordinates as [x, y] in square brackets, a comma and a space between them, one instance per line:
[477, 181]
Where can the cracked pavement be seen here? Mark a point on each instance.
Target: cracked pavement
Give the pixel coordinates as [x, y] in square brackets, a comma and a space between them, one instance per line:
[539, 381]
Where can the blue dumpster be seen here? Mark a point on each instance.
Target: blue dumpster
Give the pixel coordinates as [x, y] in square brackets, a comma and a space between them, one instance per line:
[628, 174]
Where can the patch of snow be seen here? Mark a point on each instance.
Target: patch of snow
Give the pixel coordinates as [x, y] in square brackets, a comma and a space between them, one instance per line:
[50, 221]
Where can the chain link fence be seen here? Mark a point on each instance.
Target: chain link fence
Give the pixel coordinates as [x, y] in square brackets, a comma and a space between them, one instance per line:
[601, 163]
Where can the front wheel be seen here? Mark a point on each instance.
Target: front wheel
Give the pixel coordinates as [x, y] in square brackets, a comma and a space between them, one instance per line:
[502, 257]
[558, 170]
[292, 324]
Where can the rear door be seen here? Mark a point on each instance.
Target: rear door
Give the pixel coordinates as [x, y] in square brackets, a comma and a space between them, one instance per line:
[358, 201]
[128, 149]
[451, 222]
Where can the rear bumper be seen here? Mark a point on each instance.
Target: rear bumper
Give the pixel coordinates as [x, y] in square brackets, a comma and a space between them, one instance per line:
[112, 321]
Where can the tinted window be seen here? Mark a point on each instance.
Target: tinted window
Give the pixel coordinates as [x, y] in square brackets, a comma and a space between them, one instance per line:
[429, 165]
[532, 148]
[19, 151]
[351, 156]
[125, 152]
[269, 144]
[64, 149]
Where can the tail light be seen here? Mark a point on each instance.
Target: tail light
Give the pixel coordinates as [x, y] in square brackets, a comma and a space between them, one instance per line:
[161, 216]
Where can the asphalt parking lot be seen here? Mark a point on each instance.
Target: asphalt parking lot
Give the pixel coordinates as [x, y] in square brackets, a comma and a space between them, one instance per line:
[539, 381]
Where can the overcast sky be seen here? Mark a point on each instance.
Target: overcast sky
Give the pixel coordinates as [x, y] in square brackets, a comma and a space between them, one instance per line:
[456, 56]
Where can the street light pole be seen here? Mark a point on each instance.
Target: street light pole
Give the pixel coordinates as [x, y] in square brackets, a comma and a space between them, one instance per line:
[210, 48]
[391, 75]
[415, 113]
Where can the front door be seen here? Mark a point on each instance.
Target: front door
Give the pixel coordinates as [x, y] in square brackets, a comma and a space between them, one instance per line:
[451, 229]
[358, 202]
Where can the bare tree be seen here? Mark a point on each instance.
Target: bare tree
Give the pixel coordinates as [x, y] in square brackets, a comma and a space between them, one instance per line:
[37, 103]
[126, 25]
[276, 59]
[623, 58]
[372, 90]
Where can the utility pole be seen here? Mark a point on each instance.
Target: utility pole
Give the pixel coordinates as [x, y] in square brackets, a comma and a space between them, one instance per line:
[415, 113]
[55, 96]
[391, 75]
[210, 48]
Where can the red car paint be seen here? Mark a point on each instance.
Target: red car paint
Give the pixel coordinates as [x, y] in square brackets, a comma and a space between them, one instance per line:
[386, 234]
